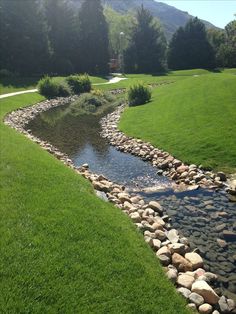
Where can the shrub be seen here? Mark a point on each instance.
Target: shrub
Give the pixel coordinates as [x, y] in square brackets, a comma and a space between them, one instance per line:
[95, 102]
[50, 88]
[79, 83]
[139, 94]
[64, 89]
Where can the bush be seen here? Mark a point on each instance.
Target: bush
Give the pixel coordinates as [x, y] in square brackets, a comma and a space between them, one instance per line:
[139, 94]
[95, 102]
[64, 89]
[50, 88]
[79, 83]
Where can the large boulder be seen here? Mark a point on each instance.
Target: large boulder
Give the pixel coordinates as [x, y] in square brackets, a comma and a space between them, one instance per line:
[185, 281]
[195, 259]
[181, 263]
[202, 288]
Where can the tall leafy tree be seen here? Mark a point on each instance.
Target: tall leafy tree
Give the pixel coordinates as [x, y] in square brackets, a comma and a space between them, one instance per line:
[190, 47]
[62, 32]
[118, 24]
[147, 50]
[24, 46]
[93, 43]
[227, 51]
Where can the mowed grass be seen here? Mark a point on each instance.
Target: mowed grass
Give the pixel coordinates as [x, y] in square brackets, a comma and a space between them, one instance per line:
[62, 249]
[194, 119]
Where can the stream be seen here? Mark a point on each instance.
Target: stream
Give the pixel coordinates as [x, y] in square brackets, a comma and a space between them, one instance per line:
[201, 215]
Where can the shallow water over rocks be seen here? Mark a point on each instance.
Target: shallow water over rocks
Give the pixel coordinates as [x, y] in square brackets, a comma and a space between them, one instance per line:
[203, 216]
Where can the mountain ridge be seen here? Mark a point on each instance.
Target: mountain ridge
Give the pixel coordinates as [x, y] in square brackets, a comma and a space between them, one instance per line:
[170, 17]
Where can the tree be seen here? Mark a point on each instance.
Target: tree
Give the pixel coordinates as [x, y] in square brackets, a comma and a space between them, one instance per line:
[62, 32]
[24, 46]
[118, 23]
[147, 49]
[189, 47]
[93, 43]
[217, 38]
[228, 50]
[224, 43]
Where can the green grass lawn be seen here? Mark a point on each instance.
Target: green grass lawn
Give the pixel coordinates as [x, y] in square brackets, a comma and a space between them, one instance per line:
[194, 119]
[63, 250]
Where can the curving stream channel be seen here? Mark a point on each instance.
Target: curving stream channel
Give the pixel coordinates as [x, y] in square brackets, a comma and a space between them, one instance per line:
[200, 215]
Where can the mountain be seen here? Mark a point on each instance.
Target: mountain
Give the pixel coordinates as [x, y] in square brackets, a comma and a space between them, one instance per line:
[170, 17]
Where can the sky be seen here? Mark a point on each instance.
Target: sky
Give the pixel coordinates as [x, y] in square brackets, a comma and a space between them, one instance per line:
[218, 12]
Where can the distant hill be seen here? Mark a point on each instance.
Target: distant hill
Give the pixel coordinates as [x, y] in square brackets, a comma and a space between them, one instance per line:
[170, 17]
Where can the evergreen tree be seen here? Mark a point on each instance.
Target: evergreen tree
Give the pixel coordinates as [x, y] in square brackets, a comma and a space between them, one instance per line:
[93, 43]
[24, 46]
[62, 34]
[190, 48]
[147, 50]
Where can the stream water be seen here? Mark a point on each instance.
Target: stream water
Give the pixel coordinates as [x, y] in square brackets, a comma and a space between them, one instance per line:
[200, 215]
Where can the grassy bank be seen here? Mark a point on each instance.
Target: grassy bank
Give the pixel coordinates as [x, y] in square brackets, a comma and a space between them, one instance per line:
[193, 119]
[62, 249]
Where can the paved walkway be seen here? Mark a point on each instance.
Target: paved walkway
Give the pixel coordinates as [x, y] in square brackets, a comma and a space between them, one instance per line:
[18, 93]
[112, 80]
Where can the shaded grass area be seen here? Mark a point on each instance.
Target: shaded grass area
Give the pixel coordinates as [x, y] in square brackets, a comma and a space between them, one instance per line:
[63, 250]
[193, 119]
[16, 84]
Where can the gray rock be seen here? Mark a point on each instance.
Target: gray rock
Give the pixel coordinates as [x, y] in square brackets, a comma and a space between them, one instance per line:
[102, 195]
[224, 308]
[172, 275]
[185, 292]
[156, 244]
[165, 260]
[160, 235]
[221, 243]
[229, 235]
[192, 306]
[231, 304]
[135, 217]
[222, 176]
[196, 298]
[177, 248]
[156, 206]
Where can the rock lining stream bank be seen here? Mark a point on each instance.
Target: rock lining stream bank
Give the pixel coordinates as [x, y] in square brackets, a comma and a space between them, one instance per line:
[183, 267]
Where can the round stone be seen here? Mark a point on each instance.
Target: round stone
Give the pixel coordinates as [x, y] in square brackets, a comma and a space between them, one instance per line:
[196, 298]
[205, 308]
